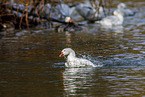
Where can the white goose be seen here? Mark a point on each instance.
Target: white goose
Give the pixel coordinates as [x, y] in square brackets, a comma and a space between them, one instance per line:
[114, 20]
[123, 9]
[73, 61]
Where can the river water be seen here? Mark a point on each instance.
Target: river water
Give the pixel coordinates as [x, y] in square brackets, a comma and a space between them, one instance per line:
[30, 66]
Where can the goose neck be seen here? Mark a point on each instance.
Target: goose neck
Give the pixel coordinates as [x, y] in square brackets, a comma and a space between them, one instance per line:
[72, 54]
[121, 17]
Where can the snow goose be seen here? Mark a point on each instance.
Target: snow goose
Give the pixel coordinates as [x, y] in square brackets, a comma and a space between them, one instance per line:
[73, 61]
[114, 20]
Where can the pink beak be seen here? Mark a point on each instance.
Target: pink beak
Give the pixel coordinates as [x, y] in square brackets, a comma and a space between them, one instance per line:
[61, 54]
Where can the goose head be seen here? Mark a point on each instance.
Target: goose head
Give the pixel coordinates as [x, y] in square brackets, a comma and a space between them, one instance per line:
[118, 13]
[68, 20]
[67, 52]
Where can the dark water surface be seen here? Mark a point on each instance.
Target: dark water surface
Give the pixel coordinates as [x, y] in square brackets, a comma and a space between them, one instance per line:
[30, 66]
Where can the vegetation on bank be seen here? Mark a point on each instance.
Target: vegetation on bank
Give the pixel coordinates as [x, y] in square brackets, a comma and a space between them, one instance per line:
[28, 13]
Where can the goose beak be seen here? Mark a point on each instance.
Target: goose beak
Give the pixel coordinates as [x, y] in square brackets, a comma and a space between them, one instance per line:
[70, 21]
[61, 54]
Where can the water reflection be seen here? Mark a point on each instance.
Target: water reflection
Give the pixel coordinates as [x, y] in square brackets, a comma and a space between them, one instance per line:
[68, 38]
[116, 29]
[104, 81]
[75, 79]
